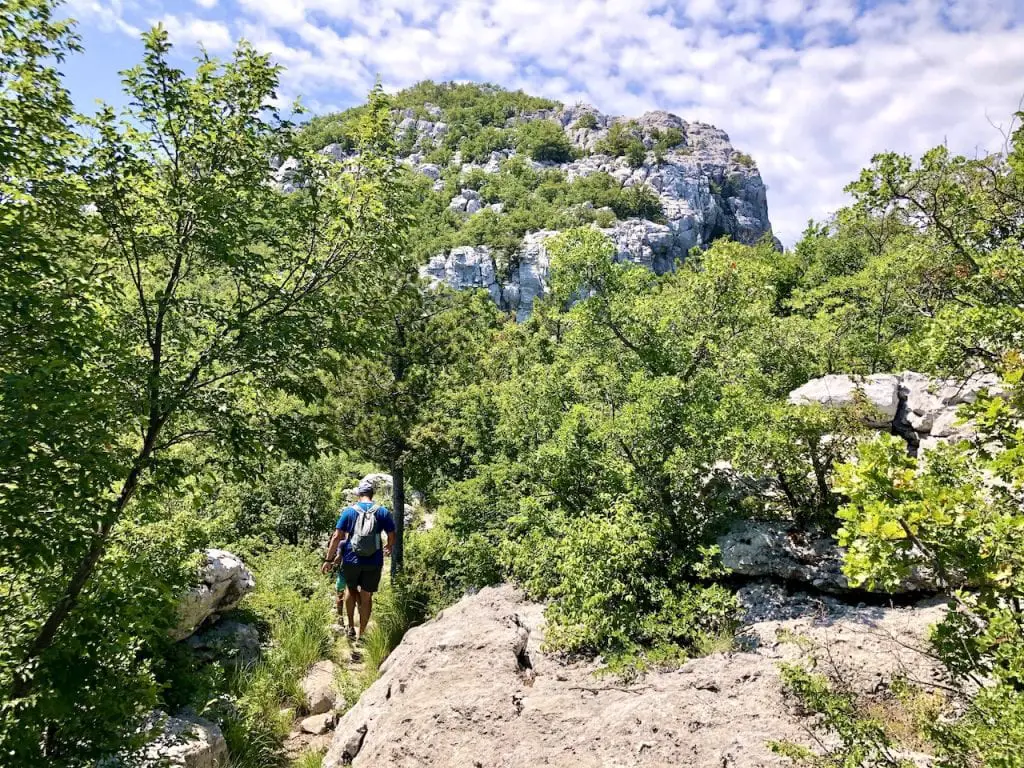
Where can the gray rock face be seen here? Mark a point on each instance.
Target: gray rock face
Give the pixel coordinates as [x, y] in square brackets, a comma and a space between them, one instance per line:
[775, 549]
[473, 688]
[881, 390]
[224, 581]
[705, 192]
[185, 742]
[923, 410]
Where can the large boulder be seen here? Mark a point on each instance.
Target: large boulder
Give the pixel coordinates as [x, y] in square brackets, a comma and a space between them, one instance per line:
[224, 581]
[473, 688]
[185, 741]
[880, 390]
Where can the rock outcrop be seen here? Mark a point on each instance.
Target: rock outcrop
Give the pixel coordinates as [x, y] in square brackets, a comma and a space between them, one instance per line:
[230, 642]
[923, 410]
[776, 549]
[706, 190]
[224, 581]
[473, 688]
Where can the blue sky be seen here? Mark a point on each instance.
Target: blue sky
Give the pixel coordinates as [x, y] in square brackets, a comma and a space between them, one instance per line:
[810, 88]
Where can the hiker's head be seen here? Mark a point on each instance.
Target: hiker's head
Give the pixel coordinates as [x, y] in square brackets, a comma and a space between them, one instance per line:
[365, 488]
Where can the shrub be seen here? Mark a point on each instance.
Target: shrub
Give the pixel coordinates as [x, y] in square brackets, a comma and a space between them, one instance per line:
[620, 137]
[743, 159]
[636, 154]
[295, 502]
[669, 139]
[544, 141]
[586, 121]
[639, 201]
[478, 148]
[611, 594]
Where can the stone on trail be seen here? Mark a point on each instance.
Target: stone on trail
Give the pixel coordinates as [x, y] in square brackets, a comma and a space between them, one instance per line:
[472, 687]
[317, 724]
[318, 687]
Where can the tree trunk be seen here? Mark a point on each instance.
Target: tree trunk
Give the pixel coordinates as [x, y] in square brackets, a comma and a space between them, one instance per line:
[398, 499]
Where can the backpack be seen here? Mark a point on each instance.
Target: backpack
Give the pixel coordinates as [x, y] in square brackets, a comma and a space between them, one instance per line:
[365, 539]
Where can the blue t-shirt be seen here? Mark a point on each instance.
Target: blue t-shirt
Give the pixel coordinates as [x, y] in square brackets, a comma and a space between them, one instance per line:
[347, 523]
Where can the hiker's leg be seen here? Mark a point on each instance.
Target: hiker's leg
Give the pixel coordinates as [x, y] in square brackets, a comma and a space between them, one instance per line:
[350, 605]
[369, 582]
[365, 607]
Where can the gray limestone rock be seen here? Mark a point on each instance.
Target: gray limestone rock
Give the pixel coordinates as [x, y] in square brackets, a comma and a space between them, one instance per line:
[881, 390]
[224, 581]
[230, 642]
[317, 724]
[776, 549]
[184, 741]
[318, 688]
[472, 687]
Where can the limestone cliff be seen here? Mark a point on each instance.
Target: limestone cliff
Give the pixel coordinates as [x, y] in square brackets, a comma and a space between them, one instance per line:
[705, 187]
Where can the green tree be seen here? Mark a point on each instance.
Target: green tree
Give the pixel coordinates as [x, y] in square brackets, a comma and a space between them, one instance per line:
[220, 291]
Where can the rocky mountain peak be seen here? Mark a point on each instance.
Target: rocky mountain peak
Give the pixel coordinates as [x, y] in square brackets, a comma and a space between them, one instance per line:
[657, 185]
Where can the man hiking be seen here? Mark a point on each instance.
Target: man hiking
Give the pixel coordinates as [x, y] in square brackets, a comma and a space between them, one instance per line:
[358, 533]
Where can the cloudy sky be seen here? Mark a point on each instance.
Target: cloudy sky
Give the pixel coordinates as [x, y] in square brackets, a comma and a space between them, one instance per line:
[810, 88]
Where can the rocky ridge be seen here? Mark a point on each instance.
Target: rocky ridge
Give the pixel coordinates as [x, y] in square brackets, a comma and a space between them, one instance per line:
[706, 190]
[472, 687]
[923, 410]
[705, 187]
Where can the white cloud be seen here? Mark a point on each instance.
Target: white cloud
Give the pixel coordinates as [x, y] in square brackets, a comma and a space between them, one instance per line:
[206, 3]
[810, 88]
[212, 35]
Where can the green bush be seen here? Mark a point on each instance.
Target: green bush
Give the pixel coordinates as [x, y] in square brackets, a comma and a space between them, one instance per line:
[668, 139]
[586, 121]
[611, 592]
[295, 502]
[478, 148]
[743, 159]
[544, 141]
[636, 154]
[640, 201]
[620, 137]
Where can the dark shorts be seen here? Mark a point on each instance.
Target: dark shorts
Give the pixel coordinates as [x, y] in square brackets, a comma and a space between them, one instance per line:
[366, 577]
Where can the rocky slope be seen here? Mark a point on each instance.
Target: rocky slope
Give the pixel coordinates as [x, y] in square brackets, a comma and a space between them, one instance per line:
[473, 688]
[704, 187]
[706, 190]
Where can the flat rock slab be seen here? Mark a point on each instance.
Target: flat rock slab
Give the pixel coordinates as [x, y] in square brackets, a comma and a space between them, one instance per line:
[317, 724]
[472, 688]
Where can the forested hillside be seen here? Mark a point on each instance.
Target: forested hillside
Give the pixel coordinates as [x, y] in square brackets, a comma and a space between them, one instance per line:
[214, 321]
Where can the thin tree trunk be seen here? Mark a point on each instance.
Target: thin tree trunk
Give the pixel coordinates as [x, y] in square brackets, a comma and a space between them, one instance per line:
[69, 600]
[398, 498]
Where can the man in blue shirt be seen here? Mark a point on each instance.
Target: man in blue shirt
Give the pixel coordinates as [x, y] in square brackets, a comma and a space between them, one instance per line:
[362, 572]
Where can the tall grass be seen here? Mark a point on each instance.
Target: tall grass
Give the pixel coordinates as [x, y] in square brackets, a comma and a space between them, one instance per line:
[397, 608]
[292, 602]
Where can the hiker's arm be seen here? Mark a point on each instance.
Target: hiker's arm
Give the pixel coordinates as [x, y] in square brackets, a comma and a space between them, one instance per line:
[332, 549]
[390, 544]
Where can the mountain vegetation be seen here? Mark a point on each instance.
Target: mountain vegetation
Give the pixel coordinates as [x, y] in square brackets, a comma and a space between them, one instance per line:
[191, 357]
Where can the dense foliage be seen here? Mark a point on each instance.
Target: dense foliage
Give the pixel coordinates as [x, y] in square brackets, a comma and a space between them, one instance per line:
[190, 357]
